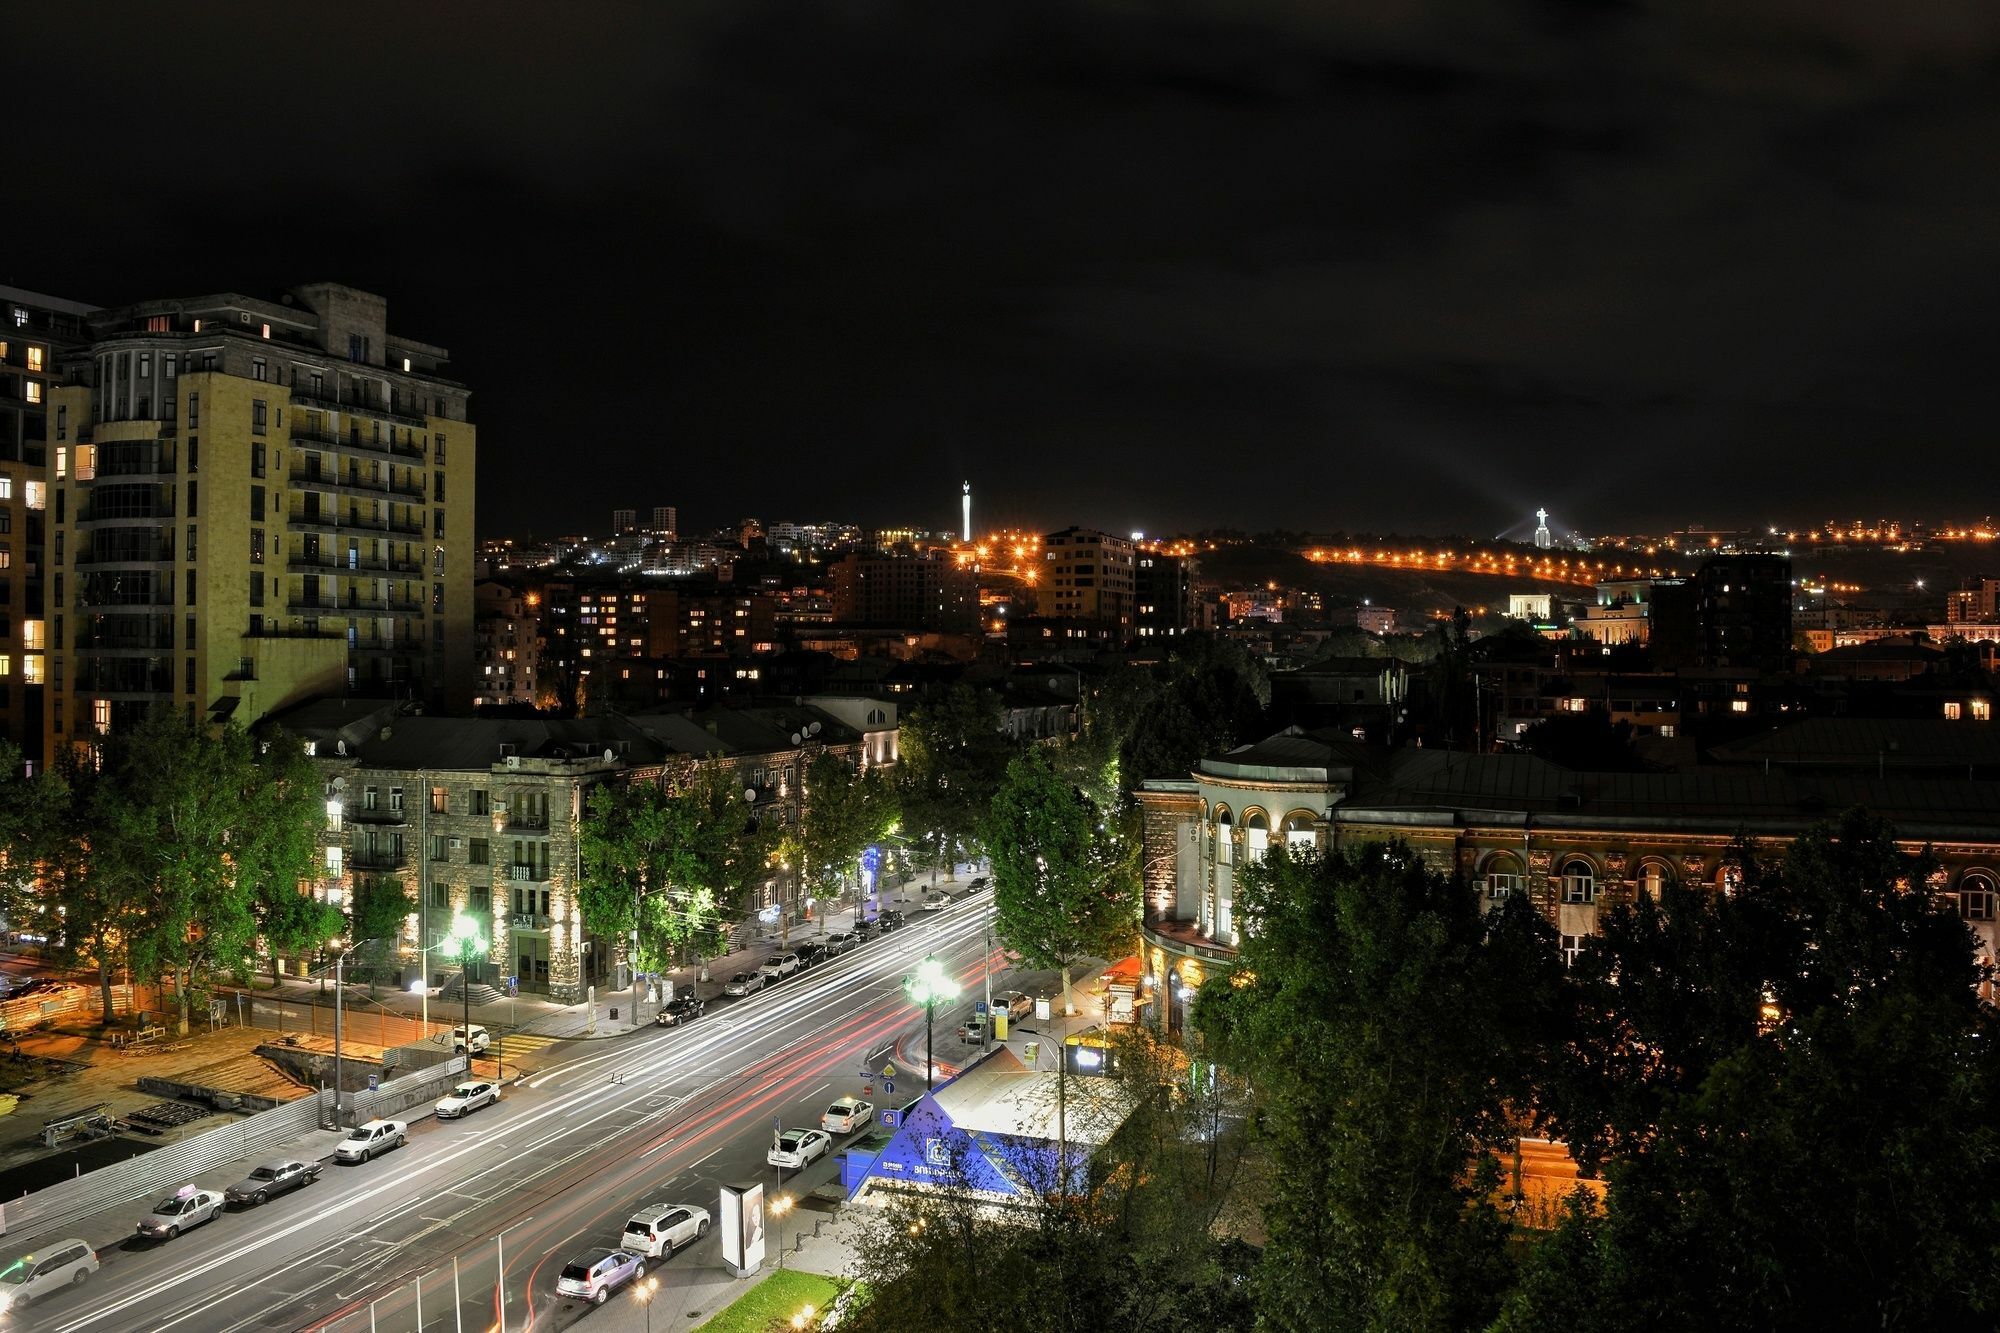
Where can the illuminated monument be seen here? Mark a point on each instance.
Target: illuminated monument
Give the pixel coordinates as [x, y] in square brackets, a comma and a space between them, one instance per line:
[1542, 538]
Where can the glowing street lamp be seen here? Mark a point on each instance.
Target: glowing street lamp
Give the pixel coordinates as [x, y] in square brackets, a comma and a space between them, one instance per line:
[468, 944]
[647, 1290]
[926, 986]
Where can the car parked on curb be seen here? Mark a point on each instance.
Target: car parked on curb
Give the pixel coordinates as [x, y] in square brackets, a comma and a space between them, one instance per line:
[1017, 1005]
[54, 1267]
[799, 1148]
[180, 1211]
[812, 951]
[936, 900]
[481, 1038]
[467, 1098]
[846, 1115]
[973, 1030]
[839, 942]
[979, 882]
[660, 1229]
[681, 1009]
[743, 983]
[891, 920]
[865, 931]
[364, 1141]
[269, 1179]
[595, 1274]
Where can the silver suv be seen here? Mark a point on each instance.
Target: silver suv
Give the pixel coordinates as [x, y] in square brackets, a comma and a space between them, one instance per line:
[66, 1263]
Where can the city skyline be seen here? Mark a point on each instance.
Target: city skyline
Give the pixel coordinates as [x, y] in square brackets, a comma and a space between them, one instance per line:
[1153, 265]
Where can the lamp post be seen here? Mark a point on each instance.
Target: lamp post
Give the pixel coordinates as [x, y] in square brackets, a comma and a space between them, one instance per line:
[779, 1207]
[926, 986]
[647, 1290]
[339, 993]
[469, 945]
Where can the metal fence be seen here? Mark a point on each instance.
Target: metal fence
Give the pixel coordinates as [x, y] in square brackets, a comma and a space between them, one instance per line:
[60, 1206]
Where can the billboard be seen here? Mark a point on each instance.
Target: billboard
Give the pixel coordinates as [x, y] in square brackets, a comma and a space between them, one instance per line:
[740, 1219]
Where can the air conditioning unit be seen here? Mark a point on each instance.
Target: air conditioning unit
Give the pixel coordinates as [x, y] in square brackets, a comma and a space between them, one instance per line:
[500, 809]
[513, 761]
[458, 844]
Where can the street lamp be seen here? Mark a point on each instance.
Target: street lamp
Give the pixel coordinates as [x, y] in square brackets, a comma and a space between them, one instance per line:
[804, 1318]
[469, 944]
[647, 1290]
[339, 993]
[926, 986]
[779, 1207]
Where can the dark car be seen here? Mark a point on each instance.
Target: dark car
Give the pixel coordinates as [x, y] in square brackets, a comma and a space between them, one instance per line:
[891, 920]
[810, 952]
[865, 931]
[681, 1009]
[272, 1178]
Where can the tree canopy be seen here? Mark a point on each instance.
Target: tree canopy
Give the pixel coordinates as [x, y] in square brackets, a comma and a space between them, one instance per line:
[953, 756]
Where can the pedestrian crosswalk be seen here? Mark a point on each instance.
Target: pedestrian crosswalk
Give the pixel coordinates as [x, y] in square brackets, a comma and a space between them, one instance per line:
[518, 1046]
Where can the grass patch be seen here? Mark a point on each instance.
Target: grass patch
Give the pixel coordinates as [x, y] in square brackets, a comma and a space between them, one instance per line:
[777, 1297]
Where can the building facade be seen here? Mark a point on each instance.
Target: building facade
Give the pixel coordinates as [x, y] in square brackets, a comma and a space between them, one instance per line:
[1088, 576]
[1576, 844]
[506, 645]
[253, 502]
[1163, 596]
[905, 591]
[35, 331]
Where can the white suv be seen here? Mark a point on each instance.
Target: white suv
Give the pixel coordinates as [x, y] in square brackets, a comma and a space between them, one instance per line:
[662, 1228]
[33, 1276]
[481, 1039]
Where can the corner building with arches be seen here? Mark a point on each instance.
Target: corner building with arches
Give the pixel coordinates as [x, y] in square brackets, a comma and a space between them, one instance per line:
[1577, 844]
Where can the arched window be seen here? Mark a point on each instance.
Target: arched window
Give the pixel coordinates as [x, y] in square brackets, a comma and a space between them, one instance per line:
[1654, 876]
[1299, 830]
[1729, 878]
[1256, 835]
[876, 717]
[1504, 877]
[1976, 896]
[1579, 880]
[1225, 843]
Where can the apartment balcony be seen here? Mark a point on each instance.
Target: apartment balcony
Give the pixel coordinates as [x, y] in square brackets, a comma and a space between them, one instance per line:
[349, 445]
[326, 564]
[527, 826]
[129, 555]
[305, 397]
[354, 484]
[527, 874]
[379, 814]
[379, 858]
[531, 922]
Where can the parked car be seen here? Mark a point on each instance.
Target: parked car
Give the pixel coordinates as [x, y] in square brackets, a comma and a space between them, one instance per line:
[661, 1228]
[799, 1148]
[865, 931]
[681, 1009]
[481, 1039]
[891, 920]
[180, 1211]
[467, 1098]
[364, 1141]
[839, 942]
[979, 882]
[812, 951]
[271, 1178]
[743, 983]
[59, 1264]
[936, 900]
[1017, 1005]
[846, 1115]
[786, 963]
[973, 1029]
[593, 1276]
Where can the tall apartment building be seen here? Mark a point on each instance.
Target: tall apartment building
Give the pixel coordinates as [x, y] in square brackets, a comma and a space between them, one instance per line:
[1163, 595]
[35, 331]
[506, 644]
[666, 522]
[1978, 602]
[911, 592]
[1744, 608]
[1088, 575]
[624, 522]
[253, 502]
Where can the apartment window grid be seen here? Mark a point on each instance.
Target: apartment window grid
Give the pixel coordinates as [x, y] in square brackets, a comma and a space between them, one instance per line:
[1579, 882]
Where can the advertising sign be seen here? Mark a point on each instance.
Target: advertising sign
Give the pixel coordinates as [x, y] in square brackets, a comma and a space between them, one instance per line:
[741, 1222]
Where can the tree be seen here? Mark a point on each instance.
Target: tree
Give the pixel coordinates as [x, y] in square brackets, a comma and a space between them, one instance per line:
[1161, 720]
[379, 909]
[953, 755]
[277, 848]
[1065, 884]
[841, 812]
[1798, 1144]
[87, 918]
[173, 815]
[643, 848]
[1386, 1024]
[1589, 742]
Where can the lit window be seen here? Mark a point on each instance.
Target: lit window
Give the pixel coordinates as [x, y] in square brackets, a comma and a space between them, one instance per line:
[1951, 711]
[1572, 948]
[31, 635]
[34, 391]
[31, 668]
[6, 665]
[1579, 881]
[1976, 898]
[1504, 885]
[1982, 710]
[1739, 705]
[267, 330]
[35, 355]
[100, 715]
[333, 857]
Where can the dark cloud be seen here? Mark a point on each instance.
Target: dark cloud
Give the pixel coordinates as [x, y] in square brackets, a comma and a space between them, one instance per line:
[1399, 264]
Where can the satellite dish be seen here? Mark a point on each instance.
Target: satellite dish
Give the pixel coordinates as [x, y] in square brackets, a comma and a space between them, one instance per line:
[749, 794]
[340, 747]
[340, 784]
[813, 730]
[796, 738]
[610, 755]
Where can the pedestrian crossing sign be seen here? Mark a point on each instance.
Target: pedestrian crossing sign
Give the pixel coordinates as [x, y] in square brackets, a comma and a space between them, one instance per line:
[888, 1071]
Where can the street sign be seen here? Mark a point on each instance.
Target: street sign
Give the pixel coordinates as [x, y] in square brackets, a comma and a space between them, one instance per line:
[513, 986]
[979, 1007]
[888, 1086]
[374, 1082]
[892, 1118]
[888, 1071]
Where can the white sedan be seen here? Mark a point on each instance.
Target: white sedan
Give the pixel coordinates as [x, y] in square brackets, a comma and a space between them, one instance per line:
[178, 1212]
[846, 1115]
[467, 1098]
[799, 1148]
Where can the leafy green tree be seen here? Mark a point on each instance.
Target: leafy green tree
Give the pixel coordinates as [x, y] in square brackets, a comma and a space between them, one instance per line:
[842, 811]
[1160, 720]
[276, 849]
[1798, 1144]
[953, 756]
[173, 812]
[380, 910]
[1065, 882]
[87, 918]
[1386, 1024]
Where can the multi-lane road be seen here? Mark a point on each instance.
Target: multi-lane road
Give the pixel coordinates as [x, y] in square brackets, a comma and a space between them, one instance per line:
[510, 1192]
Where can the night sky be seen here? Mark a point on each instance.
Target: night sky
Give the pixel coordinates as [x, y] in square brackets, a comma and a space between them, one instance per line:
[1416, 265]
